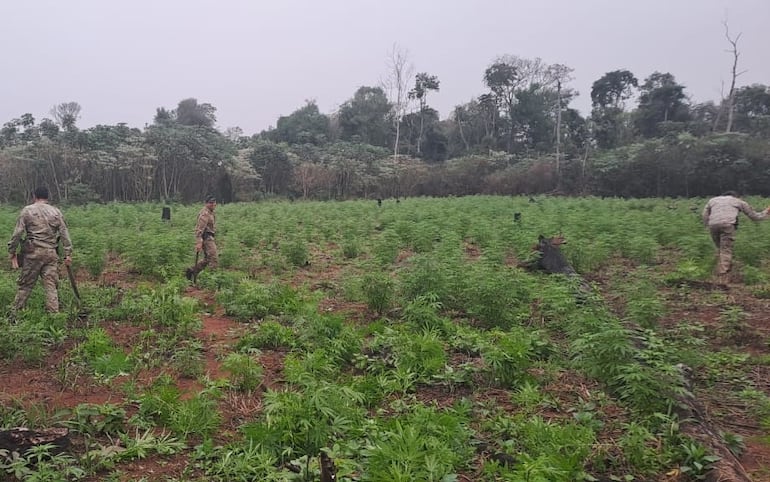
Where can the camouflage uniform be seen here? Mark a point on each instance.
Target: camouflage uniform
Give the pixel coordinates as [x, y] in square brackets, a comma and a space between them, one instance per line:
[205, 230]
[721, 217]
[43, 227]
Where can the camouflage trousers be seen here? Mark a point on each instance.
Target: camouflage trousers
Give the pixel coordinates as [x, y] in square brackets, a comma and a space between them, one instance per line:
[43, 263]
[723, 236]
[210, 256]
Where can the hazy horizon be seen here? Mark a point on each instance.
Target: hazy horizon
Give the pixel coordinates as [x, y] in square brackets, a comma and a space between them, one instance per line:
[256, 61]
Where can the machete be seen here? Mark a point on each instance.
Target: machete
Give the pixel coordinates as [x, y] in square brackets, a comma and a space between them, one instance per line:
[195, 273]
[72, 283]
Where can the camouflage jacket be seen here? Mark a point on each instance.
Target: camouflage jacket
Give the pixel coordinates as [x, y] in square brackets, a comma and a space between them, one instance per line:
[42, 226]
[206, 223]
[723, 210]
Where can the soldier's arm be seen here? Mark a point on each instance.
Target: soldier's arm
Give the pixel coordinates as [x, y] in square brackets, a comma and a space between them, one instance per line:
[18, 232]
[64, 238]
[706, 213]
[749, 211]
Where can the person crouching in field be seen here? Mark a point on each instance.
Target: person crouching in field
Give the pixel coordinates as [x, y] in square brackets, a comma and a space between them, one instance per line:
[43, 228]
[205, 230]
[721, 218]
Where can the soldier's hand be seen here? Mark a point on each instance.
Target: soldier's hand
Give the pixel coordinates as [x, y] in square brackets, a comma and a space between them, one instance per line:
[14, 262]
[68, 260]
[198, 246]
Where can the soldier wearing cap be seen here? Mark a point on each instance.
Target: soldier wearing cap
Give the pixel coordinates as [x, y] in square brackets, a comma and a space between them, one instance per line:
[205, 231]
[43, 228]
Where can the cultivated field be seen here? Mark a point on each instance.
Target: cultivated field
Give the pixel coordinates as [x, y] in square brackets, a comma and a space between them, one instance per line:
[407, 342]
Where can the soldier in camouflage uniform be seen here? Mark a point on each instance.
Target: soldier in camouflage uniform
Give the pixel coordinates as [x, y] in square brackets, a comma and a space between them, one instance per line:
[205, 230]
[43, 228]
[721, 218]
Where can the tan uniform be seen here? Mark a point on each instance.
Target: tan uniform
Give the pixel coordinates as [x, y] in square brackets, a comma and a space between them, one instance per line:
[205, 230]
[721, 217]
[43, 227]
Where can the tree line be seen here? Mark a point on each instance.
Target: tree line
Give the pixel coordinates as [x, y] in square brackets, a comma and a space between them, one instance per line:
[642, 138]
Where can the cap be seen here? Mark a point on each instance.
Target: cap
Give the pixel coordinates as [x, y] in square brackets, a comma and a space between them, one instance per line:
[211, 199]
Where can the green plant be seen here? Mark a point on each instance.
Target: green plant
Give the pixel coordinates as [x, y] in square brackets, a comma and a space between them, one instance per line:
[697, 462]
[734, 443]
[494, 297]
[196, 416]
[423, 313]
[163, 403]
[92, 419]
[530, 398]
[386, 248]
[268, 334]
[425, 444]
[143, 444]
[240, 463]
[12, 416]
[453, 377]
[351, 248]
[41, 463]
[250, 300]
[304, 420]
[101, 355]
[378, 291]
[245, 372]
[508, 356]
[732, 319]
[296, 252]
[188, 358]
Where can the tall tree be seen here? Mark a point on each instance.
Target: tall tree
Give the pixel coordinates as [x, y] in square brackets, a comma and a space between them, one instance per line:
[190, 113]
[733, 41]
[305, 125]
[48, 128]
[163, 116]
[613, 88]
[423, 83]
[559, 74]
[752, 109]
[508, 75]
[273, 164]
[608, 96]
[365, 117]
[662, 99]
[66, 115]
[399, 71]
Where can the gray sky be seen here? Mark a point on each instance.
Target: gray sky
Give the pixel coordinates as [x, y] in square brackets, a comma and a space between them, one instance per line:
[256, 60]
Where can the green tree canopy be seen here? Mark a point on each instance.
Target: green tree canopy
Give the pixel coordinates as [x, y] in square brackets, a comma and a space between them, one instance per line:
[365, 117]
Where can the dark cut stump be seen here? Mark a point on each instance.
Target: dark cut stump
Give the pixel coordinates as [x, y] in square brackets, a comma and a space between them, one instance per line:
[551, 259]
[328, 469]
[20, 439]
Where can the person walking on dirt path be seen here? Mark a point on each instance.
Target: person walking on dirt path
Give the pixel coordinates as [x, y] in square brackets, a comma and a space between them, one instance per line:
[43, 229]
[721, 218]
[205, 230]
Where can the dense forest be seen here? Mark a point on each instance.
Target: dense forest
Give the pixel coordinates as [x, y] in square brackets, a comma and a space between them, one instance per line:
[642, 138]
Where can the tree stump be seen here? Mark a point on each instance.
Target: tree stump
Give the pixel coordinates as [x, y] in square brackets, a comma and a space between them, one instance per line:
[328, 469]
[551, 258]
[20, 439]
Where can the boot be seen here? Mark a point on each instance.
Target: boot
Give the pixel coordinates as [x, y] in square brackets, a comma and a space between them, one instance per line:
[190, 273]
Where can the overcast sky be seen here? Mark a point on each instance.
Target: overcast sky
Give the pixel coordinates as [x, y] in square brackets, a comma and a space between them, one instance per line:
[256, 60]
